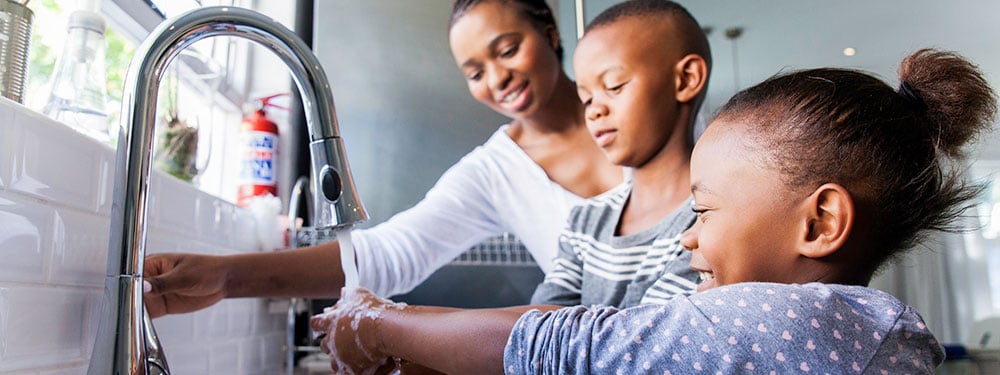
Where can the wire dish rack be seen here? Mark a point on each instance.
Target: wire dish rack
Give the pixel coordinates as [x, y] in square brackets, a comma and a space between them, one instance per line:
[502, 250]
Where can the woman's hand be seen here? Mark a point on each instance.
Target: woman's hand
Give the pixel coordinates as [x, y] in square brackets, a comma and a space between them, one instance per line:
[181, 283]
[351, 333]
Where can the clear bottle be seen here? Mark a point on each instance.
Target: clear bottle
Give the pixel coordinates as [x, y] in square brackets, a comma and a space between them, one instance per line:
[78, 97]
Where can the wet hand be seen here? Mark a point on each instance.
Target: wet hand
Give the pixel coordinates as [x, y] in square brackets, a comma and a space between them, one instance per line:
[351, 336]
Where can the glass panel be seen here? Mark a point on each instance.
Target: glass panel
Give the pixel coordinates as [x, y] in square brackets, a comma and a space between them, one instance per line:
[170, 8]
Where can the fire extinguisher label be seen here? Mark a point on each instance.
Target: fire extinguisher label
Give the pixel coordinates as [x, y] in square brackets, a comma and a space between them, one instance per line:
[260, 158]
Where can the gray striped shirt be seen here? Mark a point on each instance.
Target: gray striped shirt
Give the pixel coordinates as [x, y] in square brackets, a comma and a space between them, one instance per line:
[596, 267]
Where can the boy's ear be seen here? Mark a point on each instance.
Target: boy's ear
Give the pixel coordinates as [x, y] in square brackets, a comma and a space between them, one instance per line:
[692, 74]
[829, 220]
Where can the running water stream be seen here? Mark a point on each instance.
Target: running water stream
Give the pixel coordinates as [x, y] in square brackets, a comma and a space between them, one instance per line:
[347, 258]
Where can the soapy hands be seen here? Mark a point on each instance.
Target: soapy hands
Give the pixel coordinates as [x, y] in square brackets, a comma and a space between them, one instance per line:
[351, 333]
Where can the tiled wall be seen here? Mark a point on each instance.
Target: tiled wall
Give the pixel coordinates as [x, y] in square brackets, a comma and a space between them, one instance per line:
[55, 202]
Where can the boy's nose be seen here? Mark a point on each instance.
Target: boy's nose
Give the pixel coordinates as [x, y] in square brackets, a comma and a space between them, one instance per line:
[595, 111]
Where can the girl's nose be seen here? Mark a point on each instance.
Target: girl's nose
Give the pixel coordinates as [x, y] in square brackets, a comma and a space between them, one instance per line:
[689, 239]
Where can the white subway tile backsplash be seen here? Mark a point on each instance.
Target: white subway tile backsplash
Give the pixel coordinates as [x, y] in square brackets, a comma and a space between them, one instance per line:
[42, 326]
[54, 226]
[172, 203]
[25, 238]
[244, 231]
[106, 183]
[211, 323]
[70, 176]
[241, 314]
[79, 256]
[224, 358]
[192, 360]
[74, 370]
[176, 331]
[7, 136]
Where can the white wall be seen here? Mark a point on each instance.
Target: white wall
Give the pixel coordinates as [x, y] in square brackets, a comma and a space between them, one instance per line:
[55, 202]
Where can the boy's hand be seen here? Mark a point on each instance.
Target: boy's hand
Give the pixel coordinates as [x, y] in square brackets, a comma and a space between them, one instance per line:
[351, 334]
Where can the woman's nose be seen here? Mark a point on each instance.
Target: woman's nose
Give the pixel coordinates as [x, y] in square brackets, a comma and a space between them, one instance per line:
[689, 239]
[498, 77]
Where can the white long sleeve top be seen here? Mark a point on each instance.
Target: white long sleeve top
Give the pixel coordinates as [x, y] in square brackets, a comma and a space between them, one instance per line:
[496, 188]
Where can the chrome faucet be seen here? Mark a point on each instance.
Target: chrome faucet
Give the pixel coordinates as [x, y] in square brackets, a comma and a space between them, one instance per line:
[126, 341]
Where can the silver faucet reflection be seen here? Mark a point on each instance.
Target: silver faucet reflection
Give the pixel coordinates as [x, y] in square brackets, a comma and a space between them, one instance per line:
[126, 341]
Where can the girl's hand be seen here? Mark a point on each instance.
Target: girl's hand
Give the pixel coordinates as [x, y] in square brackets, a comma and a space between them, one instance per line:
[352, 334]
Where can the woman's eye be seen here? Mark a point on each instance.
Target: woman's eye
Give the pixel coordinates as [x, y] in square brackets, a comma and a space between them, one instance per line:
[508, 52]
[474, 76]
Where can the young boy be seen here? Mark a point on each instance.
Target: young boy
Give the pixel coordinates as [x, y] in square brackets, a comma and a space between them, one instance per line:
[642, 73]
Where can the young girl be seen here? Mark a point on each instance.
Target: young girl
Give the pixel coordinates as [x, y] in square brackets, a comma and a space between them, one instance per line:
[804, 186]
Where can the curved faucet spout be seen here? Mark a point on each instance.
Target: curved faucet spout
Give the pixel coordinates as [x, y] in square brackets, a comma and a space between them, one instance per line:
[125, 345]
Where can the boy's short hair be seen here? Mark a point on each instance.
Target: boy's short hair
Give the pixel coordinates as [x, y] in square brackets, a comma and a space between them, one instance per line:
[691, 36]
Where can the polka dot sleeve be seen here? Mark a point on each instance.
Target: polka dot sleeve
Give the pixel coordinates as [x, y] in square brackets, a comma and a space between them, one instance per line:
[745, 328]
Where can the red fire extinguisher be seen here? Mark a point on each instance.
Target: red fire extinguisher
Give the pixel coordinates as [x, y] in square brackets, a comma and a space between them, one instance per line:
[258, 153]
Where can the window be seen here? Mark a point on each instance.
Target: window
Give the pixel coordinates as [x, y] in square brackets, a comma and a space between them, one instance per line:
[205, 86]
[987, 240]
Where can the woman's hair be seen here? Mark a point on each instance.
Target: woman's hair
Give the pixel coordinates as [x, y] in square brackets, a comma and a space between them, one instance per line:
[893, 149]
[535, 11]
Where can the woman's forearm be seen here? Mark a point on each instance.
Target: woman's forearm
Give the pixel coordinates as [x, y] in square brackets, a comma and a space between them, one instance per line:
[310, 272]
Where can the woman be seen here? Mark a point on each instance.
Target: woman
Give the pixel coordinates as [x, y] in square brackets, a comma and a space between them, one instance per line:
[523, 180]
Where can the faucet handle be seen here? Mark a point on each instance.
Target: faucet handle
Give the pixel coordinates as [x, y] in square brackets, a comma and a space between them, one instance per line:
[335, 199]
[155, 358]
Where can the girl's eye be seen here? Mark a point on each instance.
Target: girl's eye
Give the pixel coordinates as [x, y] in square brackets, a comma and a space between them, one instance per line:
[700, 212]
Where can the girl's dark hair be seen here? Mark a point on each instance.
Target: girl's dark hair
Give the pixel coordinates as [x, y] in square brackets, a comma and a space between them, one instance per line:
[890, 148]
[536, 11]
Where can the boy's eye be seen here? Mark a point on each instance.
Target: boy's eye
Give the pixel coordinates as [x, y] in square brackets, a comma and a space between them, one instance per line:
[616, 88]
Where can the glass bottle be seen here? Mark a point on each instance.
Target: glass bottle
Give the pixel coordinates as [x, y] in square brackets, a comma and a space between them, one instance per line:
[78, 96]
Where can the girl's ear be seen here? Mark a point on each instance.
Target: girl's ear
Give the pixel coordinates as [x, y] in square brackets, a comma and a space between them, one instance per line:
[692, 74]
[830, 218]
